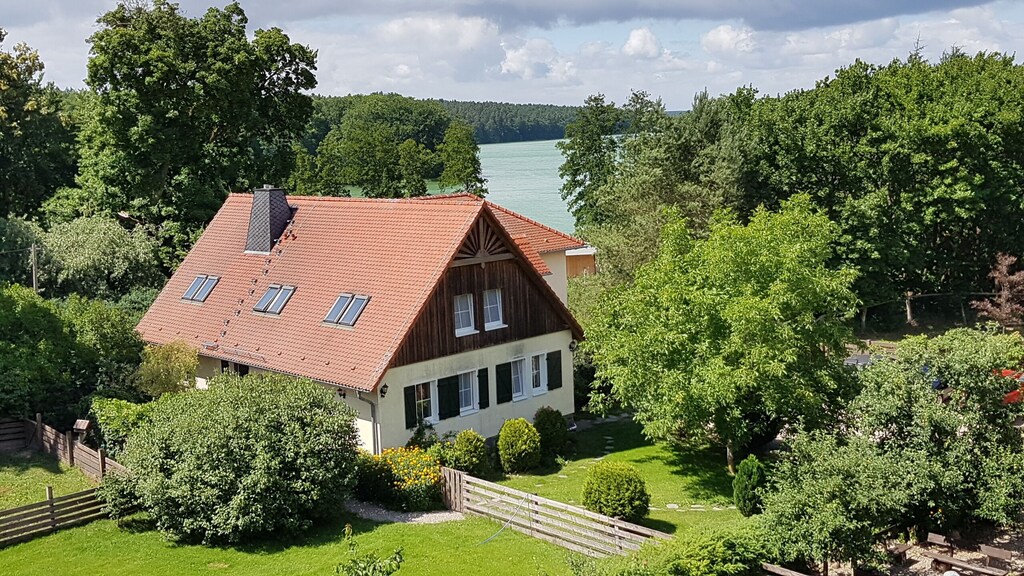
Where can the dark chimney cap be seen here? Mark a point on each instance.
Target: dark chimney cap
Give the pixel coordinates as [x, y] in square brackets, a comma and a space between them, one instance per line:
[268, 219]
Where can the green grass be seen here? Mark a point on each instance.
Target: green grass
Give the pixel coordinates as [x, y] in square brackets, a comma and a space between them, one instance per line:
[674, 475]
[101, 548]
[24, 477]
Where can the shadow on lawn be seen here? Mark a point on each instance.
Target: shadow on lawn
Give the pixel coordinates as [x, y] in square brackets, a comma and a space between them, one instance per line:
[22, 462]
[704, 468]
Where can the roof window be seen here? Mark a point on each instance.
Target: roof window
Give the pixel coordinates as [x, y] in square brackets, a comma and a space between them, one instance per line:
[346, 309]
[274, 299]
[200, 288]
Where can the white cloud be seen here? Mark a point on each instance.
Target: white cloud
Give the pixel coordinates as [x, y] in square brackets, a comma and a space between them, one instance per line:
[642, 43]
[537, 58]
[728, 40]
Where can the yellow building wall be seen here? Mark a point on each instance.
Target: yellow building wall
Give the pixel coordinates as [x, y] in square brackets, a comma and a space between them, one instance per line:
[558, 280]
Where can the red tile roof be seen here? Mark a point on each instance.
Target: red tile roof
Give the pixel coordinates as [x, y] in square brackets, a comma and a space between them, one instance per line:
[395, 251]
[543, 238]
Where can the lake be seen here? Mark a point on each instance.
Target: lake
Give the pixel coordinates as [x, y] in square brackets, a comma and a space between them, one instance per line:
[523, 176]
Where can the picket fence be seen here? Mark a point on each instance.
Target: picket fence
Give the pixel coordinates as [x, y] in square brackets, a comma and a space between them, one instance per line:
[567, 526]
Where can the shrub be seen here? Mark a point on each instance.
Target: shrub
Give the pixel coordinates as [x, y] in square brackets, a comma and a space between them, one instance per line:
[117, 419]
[746, 486]
[518, 446]
[267, 454]
[616, 489]
[423, 437]
[554, 436]
[401, 478]
[443, 451]
[119, 495]
[469, 453]
[367, 564]
[168, 368]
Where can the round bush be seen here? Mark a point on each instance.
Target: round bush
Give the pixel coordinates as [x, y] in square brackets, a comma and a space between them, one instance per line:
[750, 477]
[554, 435]
[616, 489]
[518, 446]
[469, 453]
[267, 454]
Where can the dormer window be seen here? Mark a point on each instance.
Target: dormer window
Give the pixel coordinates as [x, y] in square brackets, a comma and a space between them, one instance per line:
[200, 288]
[346, 309]
[464, 324]
[274, 299]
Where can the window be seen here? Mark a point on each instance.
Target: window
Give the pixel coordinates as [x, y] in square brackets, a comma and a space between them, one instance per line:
[200, 288]
[424, 403]
[346, 309]
[518, 392]
[467, 392]
[464, 315]
[492, 310]
[274, 299]
[538, 377]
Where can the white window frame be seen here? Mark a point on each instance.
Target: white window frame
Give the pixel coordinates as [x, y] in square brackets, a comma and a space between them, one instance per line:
[474, 393]
[432, 387]
[518, 369]
[500, 322]
[465, 330]
[539, 374]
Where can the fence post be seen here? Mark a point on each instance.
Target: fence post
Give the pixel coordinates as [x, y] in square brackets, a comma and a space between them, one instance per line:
[39, 429]
[69, 438]
[49, 498]
[103, 462]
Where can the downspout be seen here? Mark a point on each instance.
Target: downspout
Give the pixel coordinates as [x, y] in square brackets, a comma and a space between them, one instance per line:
[374, 425]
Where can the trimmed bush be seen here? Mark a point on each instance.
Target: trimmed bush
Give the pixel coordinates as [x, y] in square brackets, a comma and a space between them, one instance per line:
[469, 453]
[554, 436]
[250, 457]
[750, 478]
[616, 489]
[518, 446]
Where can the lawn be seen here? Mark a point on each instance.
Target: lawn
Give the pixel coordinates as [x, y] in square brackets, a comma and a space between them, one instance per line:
[24, 477]
[689, 487]
[101, 548]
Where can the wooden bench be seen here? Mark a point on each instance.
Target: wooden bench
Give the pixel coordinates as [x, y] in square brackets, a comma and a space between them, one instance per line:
[950, 561]
[773, 569]
[940, 540]
[996, 553]
[898, 551]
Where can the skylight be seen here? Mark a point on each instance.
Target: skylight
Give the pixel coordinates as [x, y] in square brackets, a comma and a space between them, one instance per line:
[200, 288]
[274, 299]
[346, 309]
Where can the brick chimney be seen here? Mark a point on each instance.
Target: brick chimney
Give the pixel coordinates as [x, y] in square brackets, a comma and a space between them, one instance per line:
[268, 219]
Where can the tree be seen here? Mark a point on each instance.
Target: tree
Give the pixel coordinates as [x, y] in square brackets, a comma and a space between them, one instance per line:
[1007, 307]
[719, 336]
[250, 457]
[168, 368]
[589, 150]
[37, 152]
[16, 239]
[460, 155]
[188, 110]
[413, 163]
[98, 257]
[747, 485]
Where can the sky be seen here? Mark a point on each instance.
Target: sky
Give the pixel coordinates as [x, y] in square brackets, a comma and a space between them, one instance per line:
[561, 51]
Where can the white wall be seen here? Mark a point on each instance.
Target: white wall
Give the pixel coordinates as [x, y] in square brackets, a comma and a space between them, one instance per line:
[558, 279]
[487, 421]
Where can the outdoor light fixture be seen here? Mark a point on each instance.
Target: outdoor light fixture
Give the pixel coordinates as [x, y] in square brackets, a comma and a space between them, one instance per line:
[384, 390]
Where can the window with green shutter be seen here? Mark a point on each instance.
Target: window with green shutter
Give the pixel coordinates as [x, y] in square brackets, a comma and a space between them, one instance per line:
[554, 370]
[484, 397]
[503, 382]
[447, 397]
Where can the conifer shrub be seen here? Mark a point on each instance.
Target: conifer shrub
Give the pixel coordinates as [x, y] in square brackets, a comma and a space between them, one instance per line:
[750, 478]
[616, 489]
[518, 446]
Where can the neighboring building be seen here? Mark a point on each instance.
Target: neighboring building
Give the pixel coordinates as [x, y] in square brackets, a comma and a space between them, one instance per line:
[449, 309]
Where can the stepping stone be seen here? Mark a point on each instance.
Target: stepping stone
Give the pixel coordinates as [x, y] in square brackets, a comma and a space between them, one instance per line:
[599, 458]
[538, 485]
[672, 506]
[730, 507]
[609, 438]
[562, 476]
[697, 506]
[716, 508]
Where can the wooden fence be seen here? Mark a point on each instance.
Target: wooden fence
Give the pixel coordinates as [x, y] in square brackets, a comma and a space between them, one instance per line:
[27, 522]
[568, 526]
[13, 434]
[29, 434]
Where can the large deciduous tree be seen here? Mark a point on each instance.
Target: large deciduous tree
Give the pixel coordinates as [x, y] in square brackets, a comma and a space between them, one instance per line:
[37, 153]
[188, 110]
[719, 336]
[460, 156]
[590, 152]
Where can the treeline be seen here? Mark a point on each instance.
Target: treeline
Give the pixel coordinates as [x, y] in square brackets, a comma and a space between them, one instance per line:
[920, 164]
[495, 122]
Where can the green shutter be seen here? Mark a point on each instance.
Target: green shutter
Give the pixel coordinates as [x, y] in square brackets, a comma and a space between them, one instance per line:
[410, 407]
[503, 382]
[448, 397]
[554, 370]
[484, 393]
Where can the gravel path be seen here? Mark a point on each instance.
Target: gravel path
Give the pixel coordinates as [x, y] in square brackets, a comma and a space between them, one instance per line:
[374, 512]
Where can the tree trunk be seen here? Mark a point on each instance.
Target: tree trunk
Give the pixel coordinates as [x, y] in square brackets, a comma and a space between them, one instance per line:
[824, 568]
[729, 458]
[864, 318]
[910, 314]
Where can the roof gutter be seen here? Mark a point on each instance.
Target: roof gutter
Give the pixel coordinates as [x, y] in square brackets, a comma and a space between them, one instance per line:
[374, 424]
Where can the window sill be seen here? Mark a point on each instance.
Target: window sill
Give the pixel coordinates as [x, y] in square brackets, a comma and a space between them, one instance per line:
[519, 398]
[466, 332]
[469, 412]
[540, 391]
[490, 327]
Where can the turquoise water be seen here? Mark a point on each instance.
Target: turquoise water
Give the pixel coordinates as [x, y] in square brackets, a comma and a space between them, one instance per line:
[523, 176]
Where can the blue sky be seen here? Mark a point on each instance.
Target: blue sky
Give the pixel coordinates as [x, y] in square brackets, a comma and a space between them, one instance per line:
[559, 51]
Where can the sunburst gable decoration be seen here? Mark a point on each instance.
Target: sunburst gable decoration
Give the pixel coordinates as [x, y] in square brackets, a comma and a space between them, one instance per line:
[482, 242]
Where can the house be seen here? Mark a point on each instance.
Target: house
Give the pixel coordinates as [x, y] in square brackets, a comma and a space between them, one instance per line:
[449, 309]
